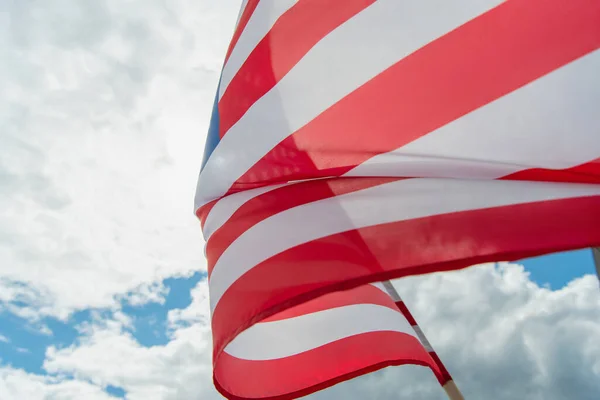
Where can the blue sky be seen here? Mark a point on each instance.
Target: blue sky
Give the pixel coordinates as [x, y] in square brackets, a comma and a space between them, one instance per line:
[102, 273]
[149, 327]
[558, 269]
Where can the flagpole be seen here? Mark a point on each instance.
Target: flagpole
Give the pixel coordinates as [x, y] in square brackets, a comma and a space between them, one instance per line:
[449, 386]
[596, 256]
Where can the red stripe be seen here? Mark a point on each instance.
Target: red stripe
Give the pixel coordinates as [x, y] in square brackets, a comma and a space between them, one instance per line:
[445, 375]
[366, 294]
[388, 251]
[481, 61]
[402, 307]
[278, 200]
[290, 38]
[244, 18]
[314, 370]
[585, 173]
[202, 212]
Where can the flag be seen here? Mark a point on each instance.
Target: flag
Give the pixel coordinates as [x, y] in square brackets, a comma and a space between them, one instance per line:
[357, 141]
[321, 342]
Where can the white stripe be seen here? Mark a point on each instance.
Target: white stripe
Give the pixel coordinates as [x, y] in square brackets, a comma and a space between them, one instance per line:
[227, 206]
[370, 42]
[242, 9]
[266, 13]
[423, 338]
[288, 337]
[551, 123]
[380, 286]
[397, 201]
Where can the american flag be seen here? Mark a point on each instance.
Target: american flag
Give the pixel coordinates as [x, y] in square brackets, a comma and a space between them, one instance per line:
[356, 141]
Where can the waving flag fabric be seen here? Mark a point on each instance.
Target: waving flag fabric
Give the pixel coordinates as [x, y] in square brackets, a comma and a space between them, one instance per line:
[318, 343]
[357, 141]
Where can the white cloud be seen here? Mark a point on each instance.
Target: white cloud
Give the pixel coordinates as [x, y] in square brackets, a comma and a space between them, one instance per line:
[147, 293]
[16, 384]
[4, 339]
[197, 312]
[44, 330]
[108, 354]
[502, 337]
[105, 109]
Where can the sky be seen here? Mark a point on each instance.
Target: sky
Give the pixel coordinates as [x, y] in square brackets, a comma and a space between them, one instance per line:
[104, 111]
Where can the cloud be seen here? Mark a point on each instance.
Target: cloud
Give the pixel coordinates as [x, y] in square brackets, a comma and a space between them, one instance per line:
[109, 355]
[17, 385]
[501, 336]
[4, 339]
[105, 110]
[147, 293]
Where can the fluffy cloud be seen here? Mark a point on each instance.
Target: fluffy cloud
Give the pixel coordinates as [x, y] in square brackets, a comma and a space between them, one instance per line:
[502, 337]
[105, 109]
[108, 354]
[105, 105]
[17, 384]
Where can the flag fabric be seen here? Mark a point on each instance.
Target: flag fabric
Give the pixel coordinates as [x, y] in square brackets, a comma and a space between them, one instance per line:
[357, 141]
[321, 342]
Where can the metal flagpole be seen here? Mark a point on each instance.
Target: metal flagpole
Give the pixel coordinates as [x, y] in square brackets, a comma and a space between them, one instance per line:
[596, 255]
[450, 387]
